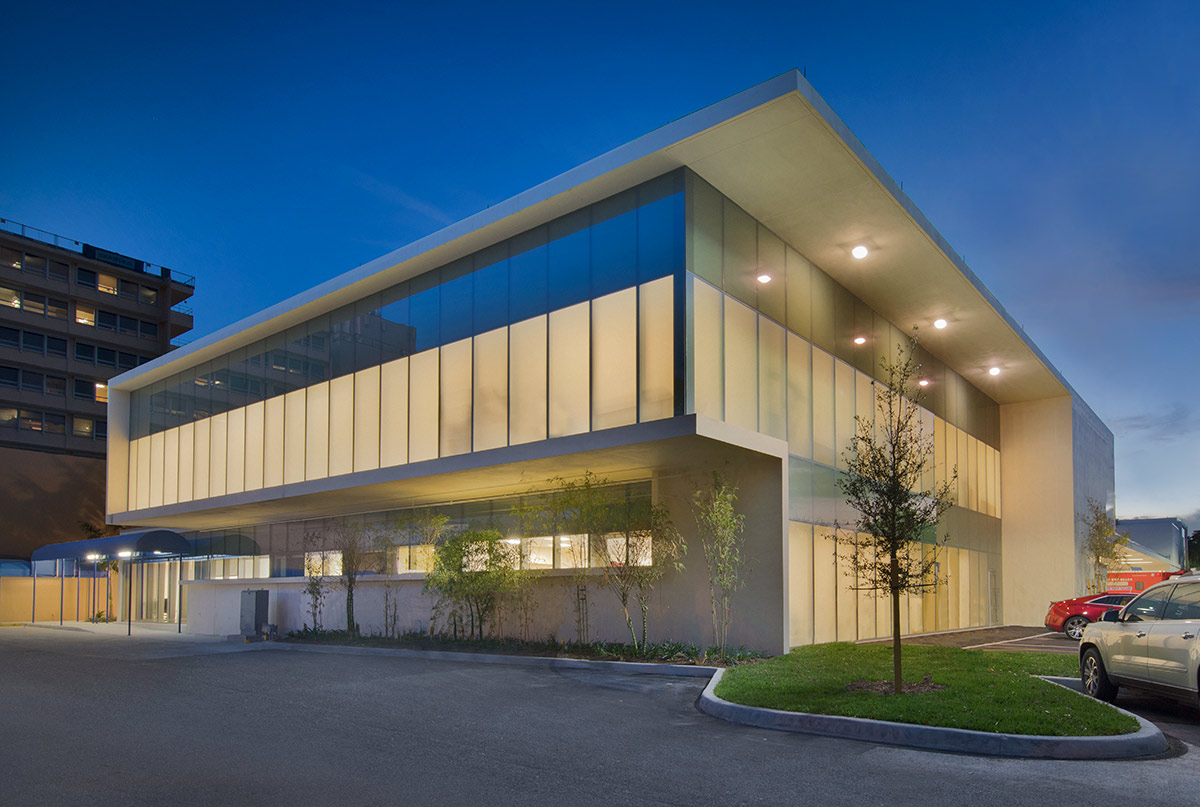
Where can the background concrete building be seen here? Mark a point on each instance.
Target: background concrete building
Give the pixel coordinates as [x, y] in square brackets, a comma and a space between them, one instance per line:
[71, 316]
[719, 294]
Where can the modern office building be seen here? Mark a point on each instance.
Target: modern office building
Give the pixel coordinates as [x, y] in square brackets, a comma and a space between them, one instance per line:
[71, 316]
[719, 294]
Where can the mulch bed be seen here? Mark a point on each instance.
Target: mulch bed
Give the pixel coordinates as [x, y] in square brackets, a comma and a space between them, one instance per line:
[889, 687]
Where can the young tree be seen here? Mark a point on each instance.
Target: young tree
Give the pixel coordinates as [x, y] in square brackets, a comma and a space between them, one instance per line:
[473, 570]
[1102, 541]
[641, 546]
[353, 541]
[422, 527]
[580, 508]
[315, 587]
[720, 527]
[886, 466]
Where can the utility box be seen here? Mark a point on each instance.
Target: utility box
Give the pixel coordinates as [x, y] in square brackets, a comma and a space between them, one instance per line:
[254, 611]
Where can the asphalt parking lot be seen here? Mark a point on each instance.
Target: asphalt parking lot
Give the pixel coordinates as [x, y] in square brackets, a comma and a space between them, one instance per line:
[95, 719]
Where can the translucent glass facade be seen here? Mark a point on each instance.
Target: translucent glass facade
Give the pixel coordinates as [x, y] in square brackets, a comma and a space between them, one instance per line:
[638, 308]
[780, 357]
[619, 243]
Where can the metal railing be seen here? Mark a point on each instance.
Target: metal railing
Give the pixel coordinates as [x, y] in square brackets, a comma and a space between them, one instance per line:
[62, 242]
[182, 308]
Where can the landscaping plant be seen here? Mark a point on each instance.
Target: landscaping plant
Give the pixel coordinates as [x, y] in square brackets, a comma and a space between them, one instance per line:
[886, 464]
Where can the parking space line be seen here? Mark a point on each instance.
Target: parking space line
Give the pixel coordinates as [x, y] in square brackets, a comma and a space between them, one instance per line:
[1012, 641]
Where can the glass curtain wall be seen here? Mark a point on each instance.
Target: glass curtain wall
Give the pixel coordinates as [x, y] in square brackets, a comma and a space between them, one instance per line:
[775, 345]
[619, 243]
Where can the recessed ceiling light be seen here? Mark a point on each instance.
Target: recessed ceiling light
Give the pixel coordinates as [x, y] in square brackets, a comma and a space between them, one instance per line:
[994, 371]
[924, 382]
[764, 278]
[939, 323]
[860, 340]
[859, 252]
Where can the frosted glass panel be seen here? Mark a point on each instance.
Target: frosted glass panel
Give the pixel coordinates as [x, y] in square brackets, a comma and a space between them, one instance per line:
[822, 384]
[799, 586]
[201, 453]
[491, 389]
[341, 425]
[218, 439]
[316, 430]
[940, 469]
[799, 400]
[707, 351]
[927, 438]
[144, 467]
[844, 403]
[825, 585]
[293, 437]
[741, 365]
[132, 497]
[235, 457]
[171, 466]
[455, 399]
[964, 469]
[187, 444]
[527, 381]
[614, 359]
[423, 406]
[393, 413]
[772, 378]
[157, 451]
[273, 431]
[254, 445]
[656, 350]
[569, 371]
[864, 399]
[366, 419]
[951, 448]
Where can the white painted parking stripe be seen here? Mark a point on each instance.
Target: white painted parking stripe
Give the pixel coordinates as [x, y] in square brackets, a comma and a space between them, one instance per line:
[1011, 641]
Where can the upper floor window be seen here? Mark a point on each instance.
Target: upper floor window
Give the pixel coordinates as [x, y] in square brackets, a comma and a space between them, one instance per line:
[149, 295]
[85, 314]
[106, 283]
[85, 277]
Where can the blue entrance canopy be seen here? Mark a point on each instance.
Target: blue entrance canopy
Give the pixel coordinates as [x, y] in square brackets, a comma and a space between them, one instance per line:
[137, 542]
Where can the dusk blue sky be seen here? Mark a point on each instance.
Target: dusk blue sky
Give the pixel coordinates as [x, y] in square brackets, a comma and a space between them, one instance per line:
[265, 147]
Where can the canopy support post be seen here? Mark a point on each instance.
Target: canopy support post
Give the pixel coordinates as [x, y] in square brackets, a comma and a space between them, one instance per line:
[129, 598]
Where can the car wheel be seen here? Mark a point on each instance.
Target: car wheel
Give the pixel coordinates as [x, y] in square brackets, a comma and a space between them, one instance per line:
[1095, 680]
[1074, 626]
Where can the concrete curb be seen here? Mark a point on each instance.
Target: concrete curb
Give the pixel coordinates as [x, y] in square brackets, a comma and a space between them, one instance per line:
[1147, 741]
[554, 663]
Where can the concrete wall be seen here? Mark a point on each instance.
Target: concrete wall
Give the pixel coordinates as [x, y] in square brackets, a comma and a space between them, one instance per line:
[1038, 537]
[680, 608]
[1094, 478]
[68, 596]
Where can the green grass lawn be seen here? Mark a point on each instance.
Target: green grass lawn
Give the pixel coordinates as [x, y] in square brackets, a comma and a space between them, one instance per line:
[984, 690]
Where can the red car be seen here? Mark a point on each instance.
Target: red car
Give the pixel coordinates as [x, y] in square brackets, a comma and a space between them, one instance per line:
[1072, 616]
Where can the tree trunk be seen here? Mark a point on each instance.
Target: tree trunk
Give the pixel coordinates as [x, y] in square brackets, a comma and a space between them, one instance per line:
[350, 609]
[896, 624]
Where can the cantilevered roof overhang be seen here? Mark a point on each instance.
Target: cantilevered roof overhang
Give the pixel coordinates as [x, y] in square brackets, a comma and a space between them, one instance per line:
[780, 152]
